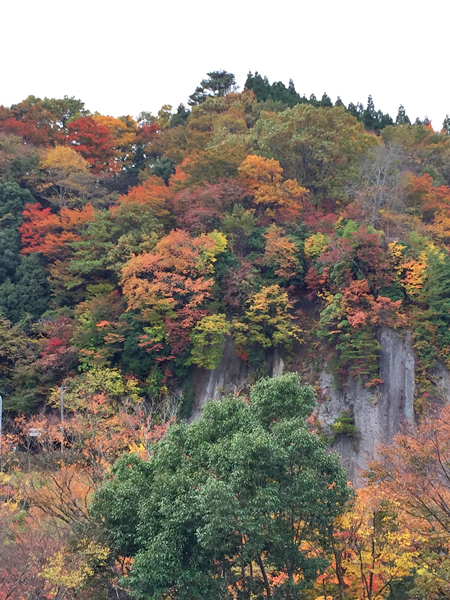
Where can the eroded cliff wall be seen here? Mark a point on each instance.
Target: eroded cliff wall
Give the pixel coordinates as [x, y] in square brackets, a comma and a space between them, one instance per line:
[377, 414]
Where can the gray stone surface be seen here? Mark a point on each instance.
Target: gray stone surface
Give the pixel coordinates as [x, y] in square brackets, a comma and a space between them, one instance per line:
[378, 414]
[229, 376]
[441, 381]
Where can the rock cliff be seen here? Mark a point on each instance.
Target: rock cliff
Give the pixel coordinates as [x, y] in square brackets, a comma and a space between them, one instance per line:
[377, 414]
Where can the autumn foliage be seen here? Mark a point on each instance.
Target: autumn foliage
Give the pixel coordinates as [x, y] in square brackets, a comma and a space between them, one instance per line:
[253, 229]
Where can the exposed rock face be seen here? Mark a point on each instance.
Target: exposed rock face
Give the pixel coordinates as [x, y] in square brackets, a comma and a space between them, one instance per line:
[441, 380]
[229, 376]
[377, 415]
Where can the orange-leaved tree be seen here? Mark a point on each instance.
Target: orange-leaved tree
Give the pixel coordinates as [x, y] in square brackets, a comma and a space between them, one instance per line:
[370, 550]
[277, 199]
[170, 286]
[93, 141]
[414, 471]
[46, 516]
[280, 253]
[153, 193]
[48, 233]
[123, 131]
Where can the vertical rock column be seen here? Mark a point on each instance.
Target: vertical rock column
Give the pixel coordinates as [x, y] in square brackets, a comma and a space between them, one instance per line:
[378, 414]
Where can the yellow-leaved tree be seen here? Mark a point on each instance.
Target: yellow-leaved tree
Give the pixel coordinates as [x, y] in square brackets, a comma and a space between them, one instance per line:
[267, 322]
[371, 549]
[277, 199]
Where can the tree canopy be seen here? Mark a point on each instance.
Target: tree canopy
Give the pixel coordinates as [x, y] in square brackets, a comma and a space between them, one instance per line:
[227, 500]
[257, 228]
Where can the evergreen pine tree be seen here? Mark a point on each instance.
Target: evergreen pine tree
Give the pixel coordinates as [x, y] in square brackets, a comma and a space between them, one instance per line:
[313, 100]
[446, 125]
[12, 201]
[291, 88]
[180, 117]
[402, 117]
[164, 167]
[384, 120]
[369, 116]
[28, 293]
[326, 101]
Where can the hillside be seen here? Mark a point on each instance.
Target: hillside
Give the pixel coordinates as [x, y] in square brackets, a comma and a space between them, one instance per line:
[139, 245]
[148, 264]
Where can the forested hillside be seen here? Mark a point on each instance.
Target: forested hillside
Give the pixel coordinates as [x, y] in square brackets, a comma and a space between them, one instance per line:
[131, 249]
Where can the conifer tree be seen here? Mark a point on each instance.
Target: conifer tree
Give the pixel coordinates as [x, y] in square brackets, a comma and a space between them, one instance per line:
[402, 117]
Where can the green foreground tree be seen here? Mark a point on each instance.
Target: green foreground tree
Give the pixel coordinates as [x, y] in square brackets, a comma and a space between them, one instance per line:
[227, 506]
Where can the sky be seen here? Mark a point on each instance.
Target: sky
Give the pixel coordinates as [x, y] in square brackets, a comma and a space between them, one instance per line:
[129, 56]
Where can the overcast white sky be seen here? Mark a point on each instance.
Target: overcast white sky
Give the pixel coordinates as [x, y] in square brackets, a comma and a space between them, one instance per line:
[133, 55]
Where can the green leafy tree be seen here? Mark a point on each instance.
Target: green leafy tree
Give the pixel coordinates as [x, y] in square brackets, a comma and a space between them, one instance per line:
[432, 323]
[110, 239]
[259, 85]
[326, 101]
[18, 374]
[374, 120]
[180, 117]
[384, 119]
[356, 110]
[17, 160]
[23, 282]
[369, 115]
[227, 502]
[65, 109]
[276, 92]
[219, 82]
[318, 147]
